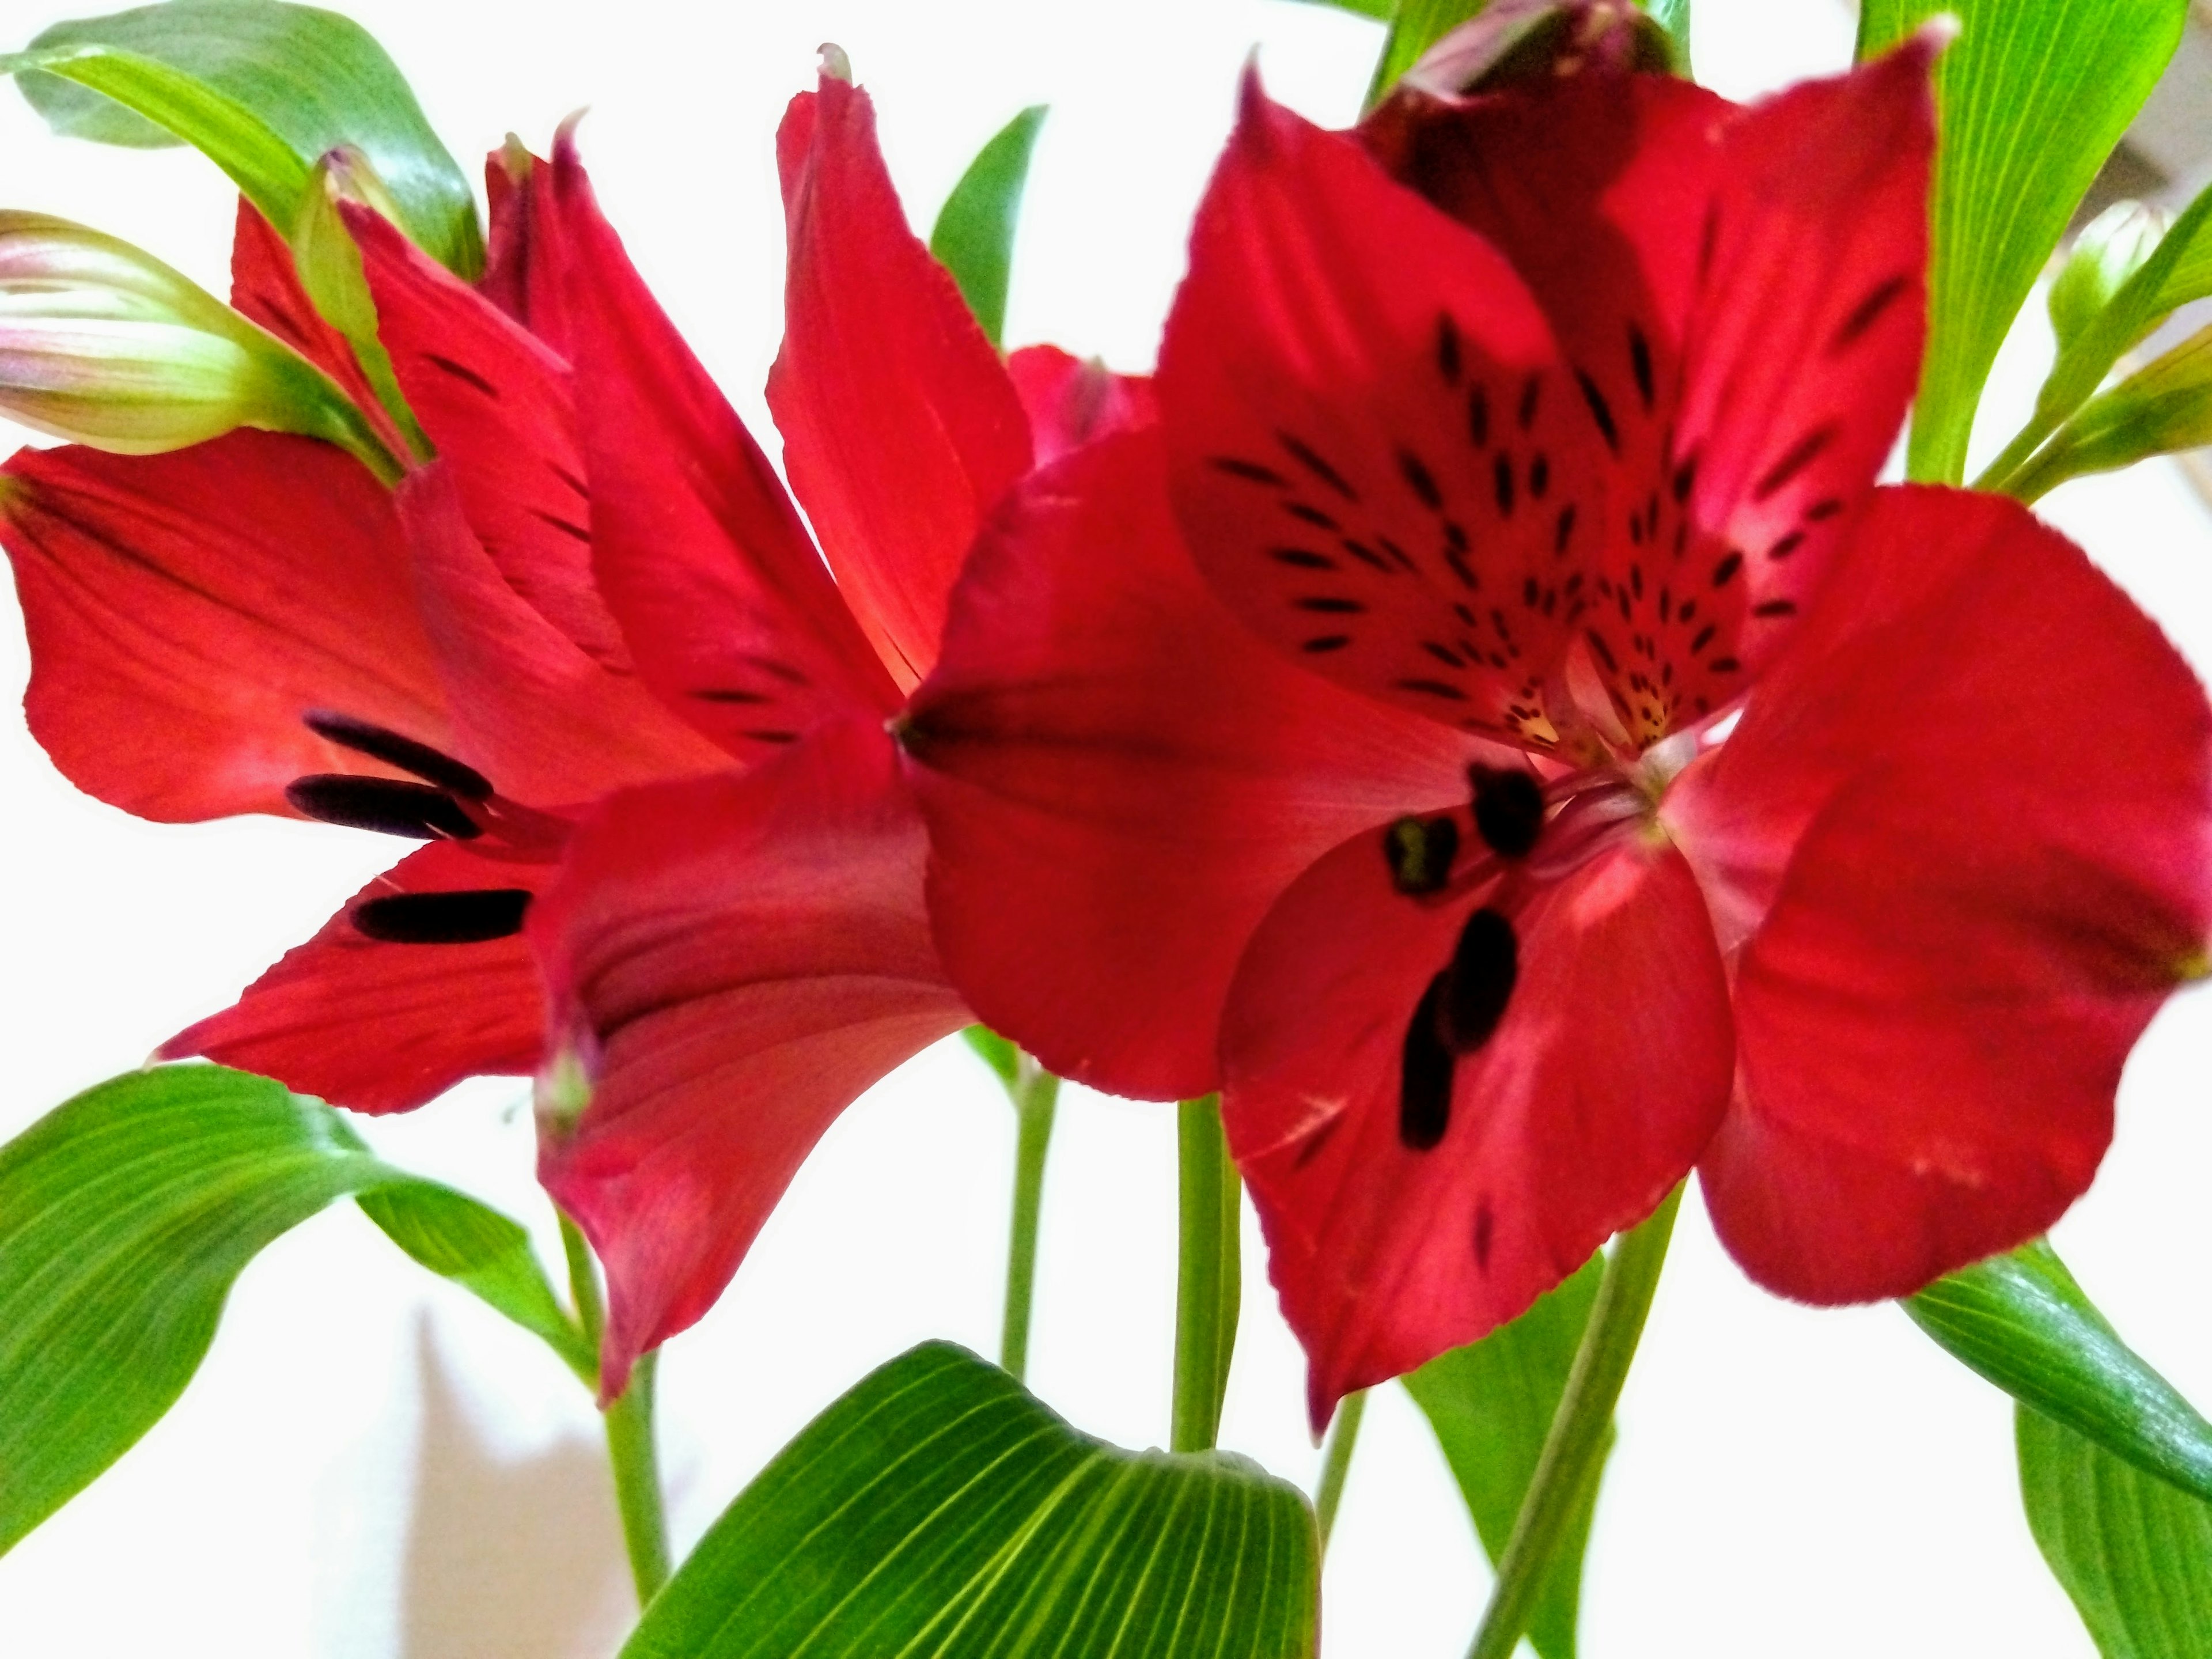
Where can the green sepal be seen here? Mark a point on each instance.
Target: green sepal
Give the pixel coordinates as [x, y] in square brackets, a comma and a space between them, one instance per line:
[1491, 1404]
[2032, 97]
[938, 1512]
[263, 88]
[126, 1213]
[2021, 1322]
[102, 343]
[2134, 1554]
[974, 236]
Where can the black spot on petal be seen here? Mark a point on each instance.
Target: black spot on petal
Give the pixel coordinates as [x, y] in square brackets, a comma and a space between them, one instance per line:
[464, 918]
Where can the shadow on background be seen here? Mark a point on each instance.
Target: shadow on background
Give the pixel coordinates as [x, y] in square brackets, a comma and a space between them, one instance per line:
[507, 1558]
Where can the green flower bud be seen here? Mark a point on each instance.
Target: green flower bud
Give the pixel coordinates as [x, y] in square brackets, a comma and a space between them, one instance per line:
[2111, 249]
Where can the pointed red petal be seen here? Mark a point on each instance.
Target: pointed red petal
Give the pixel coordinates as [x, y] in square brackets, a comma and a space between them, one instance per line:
[548, 723]
[1804, 343]
[265, 287]
[524, 255]
[1598, 1090]
[1967, 823]
[900, 427]
[381, 1027]
[496, 404]
[1343, 386]
[732, 961]
[732, 617]
[1073, 401]
[1119, 779]
[185, 611]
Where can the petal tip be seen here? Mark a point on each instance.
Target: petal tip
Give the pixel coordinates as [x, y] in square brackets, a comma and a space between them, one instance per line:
[835, 66]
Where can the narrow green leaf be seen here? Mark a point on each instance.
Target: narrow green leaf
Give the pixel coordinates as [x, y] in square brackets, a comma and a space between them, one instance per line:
[2033, 96]
[125, 1216]
[937, 1511]
[2135, 1554]
[264, 88]
[1381, 10]
[974, 238]
[2021, 1322]
[1491, 1404]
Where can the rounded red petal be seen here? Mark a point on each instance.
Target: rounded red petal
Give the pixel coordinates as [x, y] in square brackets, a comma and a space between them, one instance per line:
[1598, 1090]
[1119, 779]
[731, 961]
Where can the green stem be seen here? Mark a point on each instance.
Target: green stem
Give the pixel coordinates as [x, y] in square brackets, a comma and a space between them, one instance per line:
[1336, 1462]
[1036, 1095]
[637, 1479]
[629, 1422]
[1207, 1283]
[1578, 1436]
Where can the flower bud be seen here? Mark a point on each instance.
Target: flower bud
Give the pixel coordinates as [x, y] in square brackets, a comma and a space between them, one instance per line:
[105, 344]
[2108, 252]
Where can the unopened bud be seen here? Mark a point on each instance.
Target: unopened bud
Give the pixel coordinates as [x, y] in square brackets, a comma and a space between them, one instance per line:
[103, 343]
[2111, 249]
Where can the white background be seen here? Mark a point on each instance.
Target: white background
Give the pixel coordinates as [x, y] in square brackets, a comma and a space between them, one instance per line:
[370, 1466]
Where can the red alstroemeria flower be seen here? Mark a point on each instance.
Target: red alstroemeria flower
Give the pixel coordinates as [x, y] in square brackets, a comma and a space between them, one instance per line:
[1356, 743]
[591, 658]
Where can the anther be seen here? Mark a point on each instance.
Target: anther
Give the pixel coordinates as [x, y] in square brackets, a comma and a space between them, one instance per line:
[1509, 808]
[388, 806]
[1420, 852]
[1485, 967]
[463, 918]
[1424, 1086]
[378, 743]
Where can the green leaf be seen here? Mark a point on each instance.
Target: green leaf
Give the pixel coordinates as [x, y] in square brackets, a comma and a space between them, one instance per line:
[263, 88]
[974, 238]
[1381, 10]
[2021, 1322]
[2033, 96]
[1491, 1404]
[2135, 1554]
[937, 1511]
[125, 1216]
[2162, 408]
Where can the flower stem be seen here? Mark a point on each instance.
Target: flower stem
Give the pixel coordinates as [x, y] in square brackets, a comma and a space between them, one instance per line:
[1207, 1284]
[1036, 1095]
[629, 1423]
[637, 1479]
[1578, 1436]
[1336, 1462]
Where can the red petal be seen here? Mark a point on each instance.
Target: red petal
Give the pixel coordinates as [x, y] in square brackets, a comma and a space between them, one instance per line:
[265, 287]
[1804, 344]
[732, 617]
[1976, 795]
[496, 404]
[1337, 363]
[548, 723]
[1072, 401]
[1119, 779]
[185, 611]
[900, 427]
[384, 1028]
[524, 256]
[1599, 1088]
[734, 960]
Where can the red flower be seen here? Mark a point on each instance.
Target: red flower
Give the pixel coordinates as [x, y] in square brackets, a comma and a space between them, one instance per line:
[593, 660]
[1359, 743]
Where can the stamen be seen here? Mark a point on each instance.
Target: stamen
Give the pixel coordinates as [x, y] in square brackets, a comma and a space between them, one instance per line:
[1509, 808]
[431, 765]
[1485, 967]
[463, 918]
[1425, 1081]
[385, 804]
[1420, 852]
